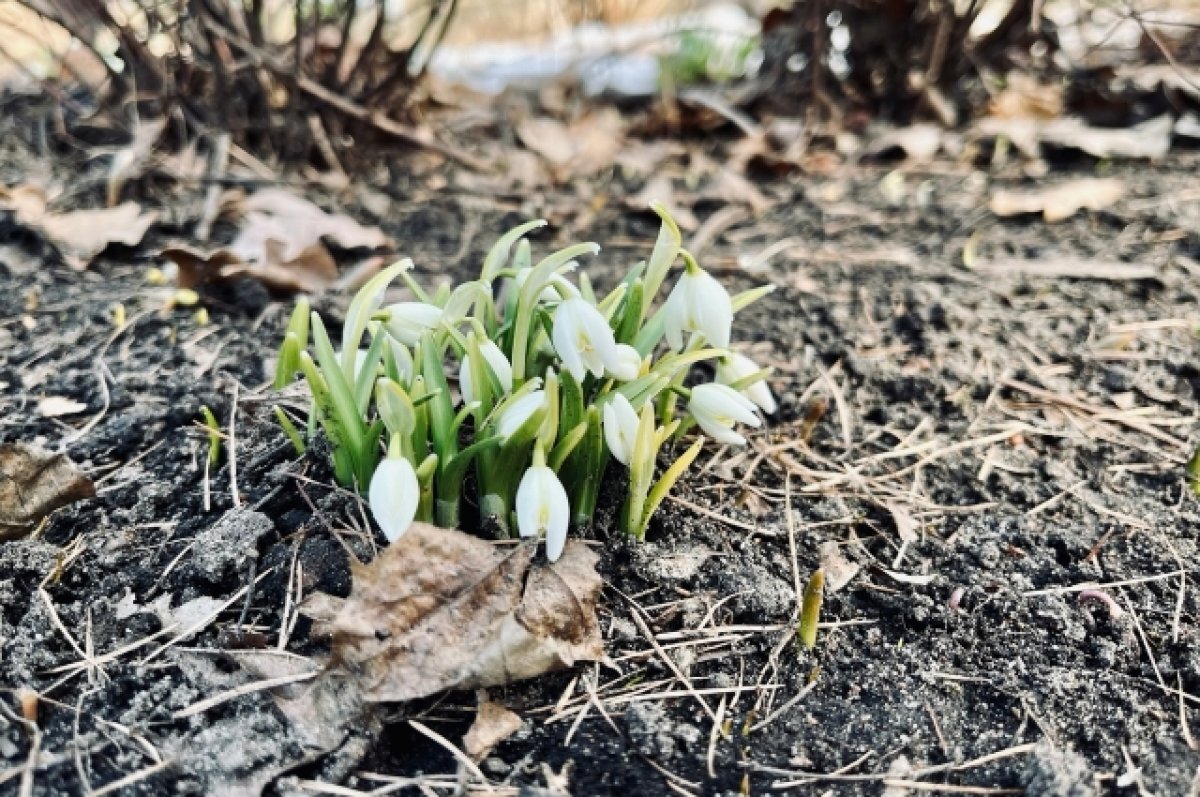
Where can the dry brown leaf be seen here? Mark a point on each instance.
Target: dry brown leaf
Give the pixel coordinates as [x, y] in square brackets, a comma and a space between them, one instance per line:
[1059, 202]
[919, 143]
[296, 223]
[590, 144]
[312, 271]
[729, 187]
[839, 571]
[440, 609]
[34, 483]
[1025, 98]
[1150, 140]
[493, 724]
[549, 138]
[78, 235]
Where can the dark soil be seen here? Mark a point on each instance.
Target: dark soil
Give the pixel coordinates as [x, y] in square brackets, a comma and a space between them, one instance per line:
[957, 648]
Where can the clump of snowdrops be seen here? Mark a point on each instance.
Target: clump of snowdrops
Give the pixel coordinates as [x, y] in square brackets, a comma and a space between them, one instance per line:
[552, 381]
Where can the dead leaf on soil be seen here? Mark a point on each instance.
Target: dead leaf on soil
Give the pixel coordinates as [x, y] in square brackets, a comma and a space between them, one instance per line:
[1059, 202]
[1023, 97]
[34, 483]
[440, 609]
[919, 143]
[588, 145]
[313, 271]
[493, 724]
[78, 235]
[279, 244]
[1150, 140]
[274, 214]
[839, 571]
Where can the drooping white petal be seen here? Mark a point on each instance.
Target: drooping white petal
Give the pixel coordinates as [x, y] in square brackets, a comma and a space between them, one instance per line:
[582, 338]
[393, 496]
[739, 366]
[698, 303]
[404, 360]
[515, 415]
[408, 321]
[620, 427]
[499, 364]
[626, 363]
[543, 509]
[717, 408]
[713, 309]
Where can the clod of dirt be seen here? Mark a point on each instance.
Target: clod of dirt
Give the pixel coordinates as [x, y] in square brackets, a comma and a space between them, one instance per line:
[440, 609]
[1053, 772]
[224, 548]
[662, 564]
[656, 735]
[34, 483]
[760, 593]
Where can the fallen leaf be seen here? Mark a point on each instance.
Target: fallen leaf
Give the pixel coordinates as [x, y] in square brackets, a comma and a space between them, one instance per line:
[78, 235]
[1150, 140]
[549, 138]
[729, 187]
[297, 223]
[919, 143]
[493, 724]
[312, 271]
[440, 609]
[57, 406]
[34, 483]
[839, 571]
[279, 243]
[1059, 202]
[590, 144]
[1023, 97]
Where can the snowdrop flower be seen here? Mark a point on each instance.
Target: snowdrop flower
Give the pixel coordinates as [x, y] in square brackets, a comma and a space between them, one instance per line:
[626, 363]
[393, 496]
[620, 427]
[698, 303]
[738, 366]
[543, 509]
[519, 411]
[408, 321]
[583, 340]
[718, 407]
[495, 359]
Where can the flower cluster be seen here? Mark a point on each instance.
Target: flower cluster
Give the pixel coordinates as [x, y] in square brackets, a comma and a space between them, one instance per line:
[551, 380]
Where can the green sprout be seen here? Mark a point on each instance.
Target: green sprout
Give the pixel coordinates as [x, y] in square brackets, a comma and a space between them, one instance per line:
[524, 384]
[214, 434]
